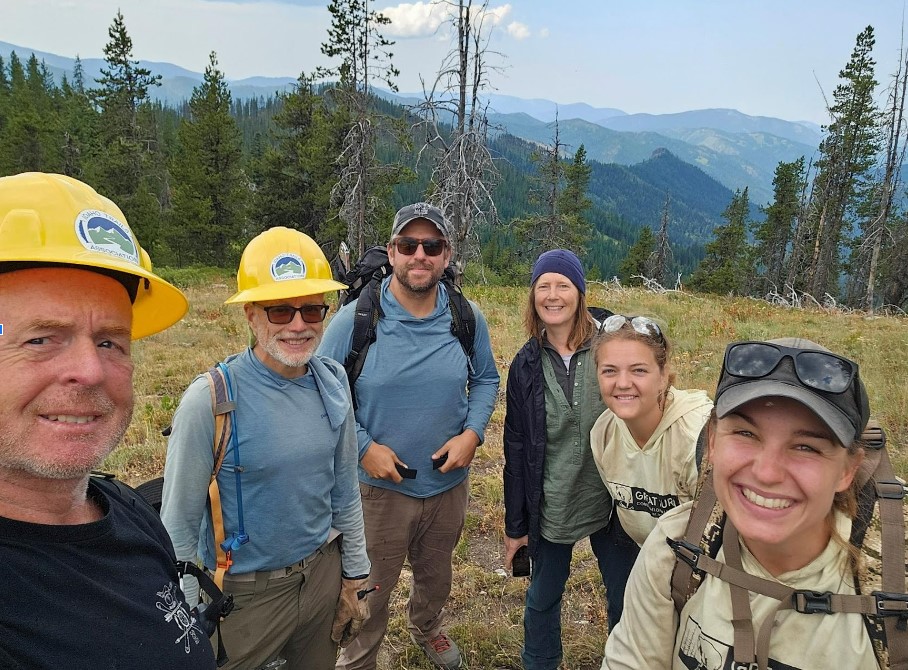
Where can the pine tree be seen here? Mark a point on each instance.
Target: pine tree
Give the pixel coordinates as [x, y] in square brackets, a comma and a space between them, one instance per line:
[573, 202]
[126, 164]
[727, 266]
[294, 177]
[78, 128]
[634, 264]
[210, 193]
[848, 151]
[774, 235]
[364, 184]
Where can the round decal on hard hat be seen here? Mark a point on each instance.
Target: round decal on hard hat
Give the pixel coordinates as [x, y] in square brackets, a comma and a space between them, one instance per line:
[288, 266]
[99, 231]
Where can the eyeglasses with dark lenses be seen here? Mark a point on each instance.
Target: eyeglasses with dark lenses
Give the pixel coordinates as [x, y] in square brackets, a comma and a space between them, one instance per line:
[640, 324]
[281, 315]
[408, 245]
[820, 370]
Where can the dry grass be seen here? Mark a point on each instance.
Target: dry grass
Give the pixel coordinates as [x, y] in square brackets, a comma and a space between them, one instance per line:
[485, 610]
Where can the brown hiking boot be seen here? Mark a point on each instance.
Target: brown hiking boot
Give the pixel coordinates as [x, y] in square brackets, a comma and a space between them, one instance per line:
[441, 650]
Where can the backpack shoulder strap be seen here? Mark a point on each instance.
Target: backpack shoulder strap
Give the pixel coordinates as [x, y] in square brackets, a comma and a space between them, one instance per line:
[885, 612]
[109, 483]
[891, 600]
[222, 407]
[365, 328]
[702, 538]
[463, 320]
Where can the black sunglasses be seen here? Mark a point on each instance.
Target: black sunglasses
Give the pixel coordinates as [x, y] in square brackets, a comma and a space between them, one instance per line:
[281, 315]
[820, 370]
[408, 245]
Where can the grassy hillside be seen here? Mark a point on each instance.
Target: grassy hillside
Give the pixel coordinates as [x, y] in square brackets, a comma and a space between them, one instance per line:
[486, 608]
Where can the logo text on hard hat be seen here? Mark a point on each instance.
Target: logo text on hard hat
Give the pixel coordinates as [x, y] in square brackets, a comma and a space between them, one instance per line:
[99, 231]
[288, 266]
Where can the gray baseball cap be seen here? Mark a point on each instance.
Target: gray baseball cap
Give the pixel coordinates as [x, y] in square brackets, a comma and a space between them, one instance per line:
[846, 413]
[420, 210]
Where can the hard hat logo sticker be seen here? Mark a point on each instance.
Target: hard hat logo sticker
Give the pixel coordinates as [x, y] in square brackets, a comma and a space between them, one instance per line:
[99, 231]
[288, 266]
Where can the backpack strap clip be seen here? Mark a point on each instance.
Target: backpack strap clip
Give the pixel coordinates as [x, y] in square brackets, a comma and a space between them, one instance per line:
[687, 552]
[812, 602]
[890, 489]
[892, 604]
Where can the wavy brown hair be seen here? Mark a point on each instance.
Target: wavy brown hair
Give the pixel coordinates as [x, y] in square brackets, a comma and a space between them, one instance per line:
[582, 327]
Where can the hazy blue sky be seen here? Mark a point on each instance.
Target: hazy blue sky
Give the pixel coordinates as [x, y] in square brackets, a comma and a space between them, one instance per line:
[762, 57]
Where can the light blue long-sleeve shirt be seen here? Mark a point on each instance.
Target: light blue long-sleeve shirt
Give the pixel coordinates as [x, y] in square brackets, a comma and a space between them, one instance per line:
[415, 391]
[297, 446]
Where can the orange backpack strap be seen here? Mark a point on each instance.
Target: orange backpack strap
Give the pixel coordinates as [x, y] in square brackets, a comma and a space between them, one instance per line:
[221, 407]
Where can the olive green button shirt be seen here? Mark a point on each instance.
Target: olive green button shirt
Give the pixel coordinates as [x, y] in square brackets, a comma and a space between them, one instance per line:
[575, 502]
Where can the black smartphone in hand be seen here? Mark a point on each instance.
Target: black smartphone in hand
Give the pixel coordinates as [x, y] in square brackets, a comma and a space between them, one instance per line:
[520, 564]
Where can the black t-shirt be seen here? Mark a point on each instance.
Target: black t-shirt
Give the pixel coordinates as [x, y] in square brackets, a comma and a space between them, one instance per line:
[101, 595]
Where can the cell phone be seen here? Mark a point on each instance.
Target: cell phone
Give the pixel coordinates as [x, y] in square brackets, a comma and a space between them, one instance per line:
[438, 462]
[406, 473]
[520, 564]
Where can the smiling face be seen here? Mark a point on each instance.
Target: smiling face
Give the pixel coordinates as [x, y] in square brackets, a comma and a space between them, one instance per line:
[631, 381]
[556, 300]
[776, 471]
[285, 349]
[66, 397]
[418, 273]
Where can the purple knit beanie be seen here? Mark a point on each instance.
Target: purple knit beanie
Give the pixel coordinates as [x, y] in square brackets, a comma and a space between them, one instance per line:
[563, 262]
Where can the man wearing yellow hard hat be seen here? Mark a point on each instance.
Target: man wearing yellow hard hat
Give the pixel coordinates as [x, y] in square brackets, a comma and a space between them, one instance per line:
[288, 483]
[89, 573]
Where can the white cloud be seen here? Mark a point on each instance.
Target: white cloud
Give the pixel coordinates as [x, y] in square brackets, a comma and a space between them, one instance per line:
[422, 19]
[519, 31]
[417, 19]
[497, 14]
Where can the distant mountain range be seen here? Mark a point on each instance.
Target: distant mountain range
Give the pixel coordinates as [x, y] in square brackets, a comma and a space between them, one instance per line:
[735, 149]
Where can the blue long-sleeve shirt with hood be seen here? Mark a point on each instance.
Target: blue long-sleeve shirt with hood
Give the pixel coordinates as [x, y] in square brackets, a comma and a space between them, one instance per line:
[297, 447]
[415, 391]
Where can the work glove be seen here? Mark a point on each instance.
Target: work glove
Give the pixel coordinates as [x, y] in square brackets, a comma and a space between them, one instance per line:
[351, 612]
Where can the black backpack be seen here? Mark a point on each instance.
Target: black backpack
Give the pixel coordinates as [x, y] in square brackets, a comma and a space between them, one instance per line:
[364, 280]
[147, 498]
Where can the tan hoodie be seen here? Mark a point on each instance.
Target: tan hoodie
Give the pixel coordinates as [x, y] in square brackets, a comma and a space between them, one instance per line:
[645, 483]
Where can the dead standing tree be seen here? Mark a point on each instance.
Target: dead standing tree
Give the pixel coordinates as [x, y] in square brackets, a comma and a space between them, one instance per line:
[455, 123]
[364, 55]
[876, 232]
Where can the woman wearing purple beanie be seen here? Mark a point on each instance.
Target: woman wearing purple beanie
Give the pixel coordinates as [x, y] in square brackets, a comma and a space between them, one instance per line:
[554, 496]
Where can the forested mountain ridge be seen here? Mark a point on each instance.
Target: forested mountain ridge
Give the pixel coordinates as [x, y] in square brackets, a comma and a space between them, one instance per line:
[737, 160]
[333, 157]
[735, 149]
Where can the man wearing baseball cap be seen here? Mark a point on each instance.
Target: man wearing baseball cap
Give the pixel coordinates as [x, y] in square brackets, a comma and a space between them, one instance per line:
[422, 409]
[89, 572]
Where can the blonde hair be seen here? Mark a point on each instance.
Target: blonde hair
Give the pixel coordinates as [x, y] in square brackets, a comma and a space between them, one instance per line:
[660, 347]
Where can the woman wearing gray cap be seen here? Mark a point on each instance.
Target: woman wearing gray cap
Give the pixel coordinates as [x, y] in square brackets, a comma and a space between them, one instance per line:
[783, 451]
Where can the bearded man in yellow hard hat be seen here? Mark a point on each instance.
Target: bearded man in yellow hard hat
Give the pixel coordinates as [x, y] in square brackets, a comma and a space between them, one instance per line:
[267, 524]
[89, 574]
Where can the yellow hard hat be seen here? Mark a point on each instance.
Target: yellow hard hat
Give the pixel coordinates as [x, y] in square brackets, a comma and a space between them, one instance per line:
[54, 219]
[280, 264]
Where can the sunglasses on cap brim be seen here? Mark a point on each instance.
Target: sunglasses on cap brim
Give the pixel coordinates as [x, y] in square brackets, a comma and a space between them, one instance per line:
[819, 370]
